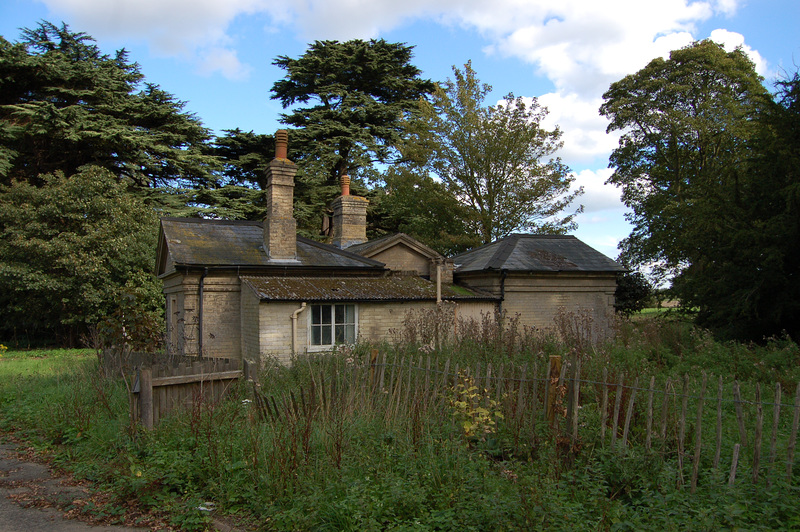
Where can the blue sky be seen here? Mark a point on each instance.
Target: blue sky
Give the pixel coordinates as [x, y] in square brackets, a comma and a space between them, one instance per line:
[216, 55]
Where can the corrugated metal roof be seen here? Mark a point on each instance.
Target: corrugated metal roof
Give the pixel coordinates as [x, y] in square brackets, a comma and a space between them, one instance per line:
[220, 243]
[536, 253]
[392, 288]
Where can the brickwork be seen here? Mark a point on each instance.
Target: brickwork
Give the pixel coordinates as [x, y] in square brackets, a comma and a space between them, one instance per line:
[280, 227]
[538, 298]
[275, 330]
[403, 258]
[250, 323]
[349, 221]
[221, 316]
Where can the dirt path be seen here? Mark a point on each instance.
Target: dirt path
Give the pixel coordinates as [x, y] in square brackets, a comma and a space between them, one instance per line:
[32, 499]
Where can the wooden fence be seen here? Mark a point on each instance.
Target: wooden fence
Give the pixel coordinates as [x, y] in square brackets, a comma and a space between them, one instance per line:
[681, 419]
[162, 388]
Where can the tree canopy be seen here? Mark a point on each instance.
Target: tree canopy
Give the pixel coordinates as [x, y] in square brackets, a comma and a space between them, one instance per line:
[496, 159]
[66, 247]
[64, 104]
[703, 165]
[361, 92]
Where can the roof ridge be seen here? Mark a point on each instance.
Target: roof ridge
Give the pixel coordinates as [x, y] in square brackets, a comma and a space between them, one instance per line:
[504, 250]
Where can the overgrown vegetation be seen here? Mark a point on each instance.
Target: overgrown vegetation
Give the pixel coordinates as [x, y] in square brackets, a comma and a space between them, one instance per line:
[345, 458]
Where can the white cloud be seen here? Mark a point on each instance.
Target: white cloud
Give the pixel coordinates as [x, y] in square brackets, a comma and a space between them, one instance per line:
[225, 61]
[731, 40]
[584, 130]
[597, 195]
[193, 29]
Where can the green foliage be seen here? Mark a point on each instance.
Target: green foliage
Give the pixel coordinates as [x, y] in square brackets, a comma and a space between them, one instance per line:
[412, 202]
[362, 91]
[633, 293]
[353, 465]
[66, 248]
[496, 159]
[707, 163]
[64, 104]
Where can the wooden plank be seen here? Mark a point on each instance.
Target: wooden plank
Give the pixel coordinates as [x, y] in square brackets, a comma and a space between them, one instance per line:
[757, 441]
[698, 434]
[202, 377]
[793, 435]
[146, 397]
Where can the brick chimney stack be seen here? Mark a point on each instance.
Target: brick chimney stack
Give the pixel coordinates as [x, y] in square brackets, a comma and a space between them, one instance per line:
[280, 227]
[349, 218]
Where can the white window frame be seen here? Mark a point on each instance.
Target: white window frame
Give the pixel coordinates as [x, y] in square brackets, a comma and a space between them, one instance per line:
[310, 330]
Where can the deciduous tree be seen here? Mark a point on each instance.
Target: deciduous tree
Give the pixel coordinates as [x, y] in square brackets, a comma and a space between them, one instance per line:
[705, 164]
[66, 247]
[496, 159]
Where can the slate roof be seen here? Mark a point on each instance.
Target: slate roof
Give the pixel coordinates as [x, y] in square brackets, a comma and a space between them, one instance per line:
[372, 247]
[536, 253]
[357, 289]
[238, 243]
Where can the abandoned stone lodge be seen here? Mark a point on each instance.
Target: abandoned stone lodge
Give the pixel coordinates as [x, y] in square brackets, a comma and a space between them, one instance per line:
[257, 289]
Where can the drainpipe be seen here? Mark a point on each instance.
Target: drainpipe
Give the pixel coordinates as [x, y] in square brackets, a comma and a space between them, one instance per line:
[200, 314]
[295, 314]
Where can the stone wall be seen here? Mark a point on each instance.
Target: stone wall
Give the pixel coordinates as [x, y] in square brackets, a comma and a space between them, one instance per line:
[537, 298]
[403, 258]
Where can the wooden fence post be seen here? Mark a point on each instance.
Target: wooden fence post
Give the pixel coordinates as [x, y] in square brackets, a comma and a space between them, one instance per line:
[553, 373]
[576, 391]
[737, 398]
[651, 391]
[698, 435]
[617, 404]
[629, 412]
[793, 436]
[734, 463]
[146, 397]
[757, 442]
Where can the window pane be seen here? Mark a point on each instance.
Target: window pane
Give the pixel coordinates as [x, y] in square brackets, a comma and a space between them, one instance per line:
[350, 334]
[350, 314]
[316, 314]
[326, 333]
[316, 335]
[339, 313]
[326, 313]
[340, 338]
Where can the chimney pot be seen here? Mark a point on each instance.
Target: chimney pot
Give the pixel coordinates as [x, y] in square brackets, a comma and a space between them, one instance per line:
[281, 143]
[345, 185]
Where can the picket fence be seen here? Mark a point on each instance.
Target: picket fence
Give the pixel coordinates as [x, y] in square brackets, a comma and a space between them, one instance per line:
[672, 418]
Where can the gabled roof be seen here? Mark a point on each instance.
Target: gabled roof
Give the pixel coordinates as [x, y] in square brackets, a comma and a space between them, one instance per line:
[535, 253]
[356, 289]
[373, 247]
[196, 242]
